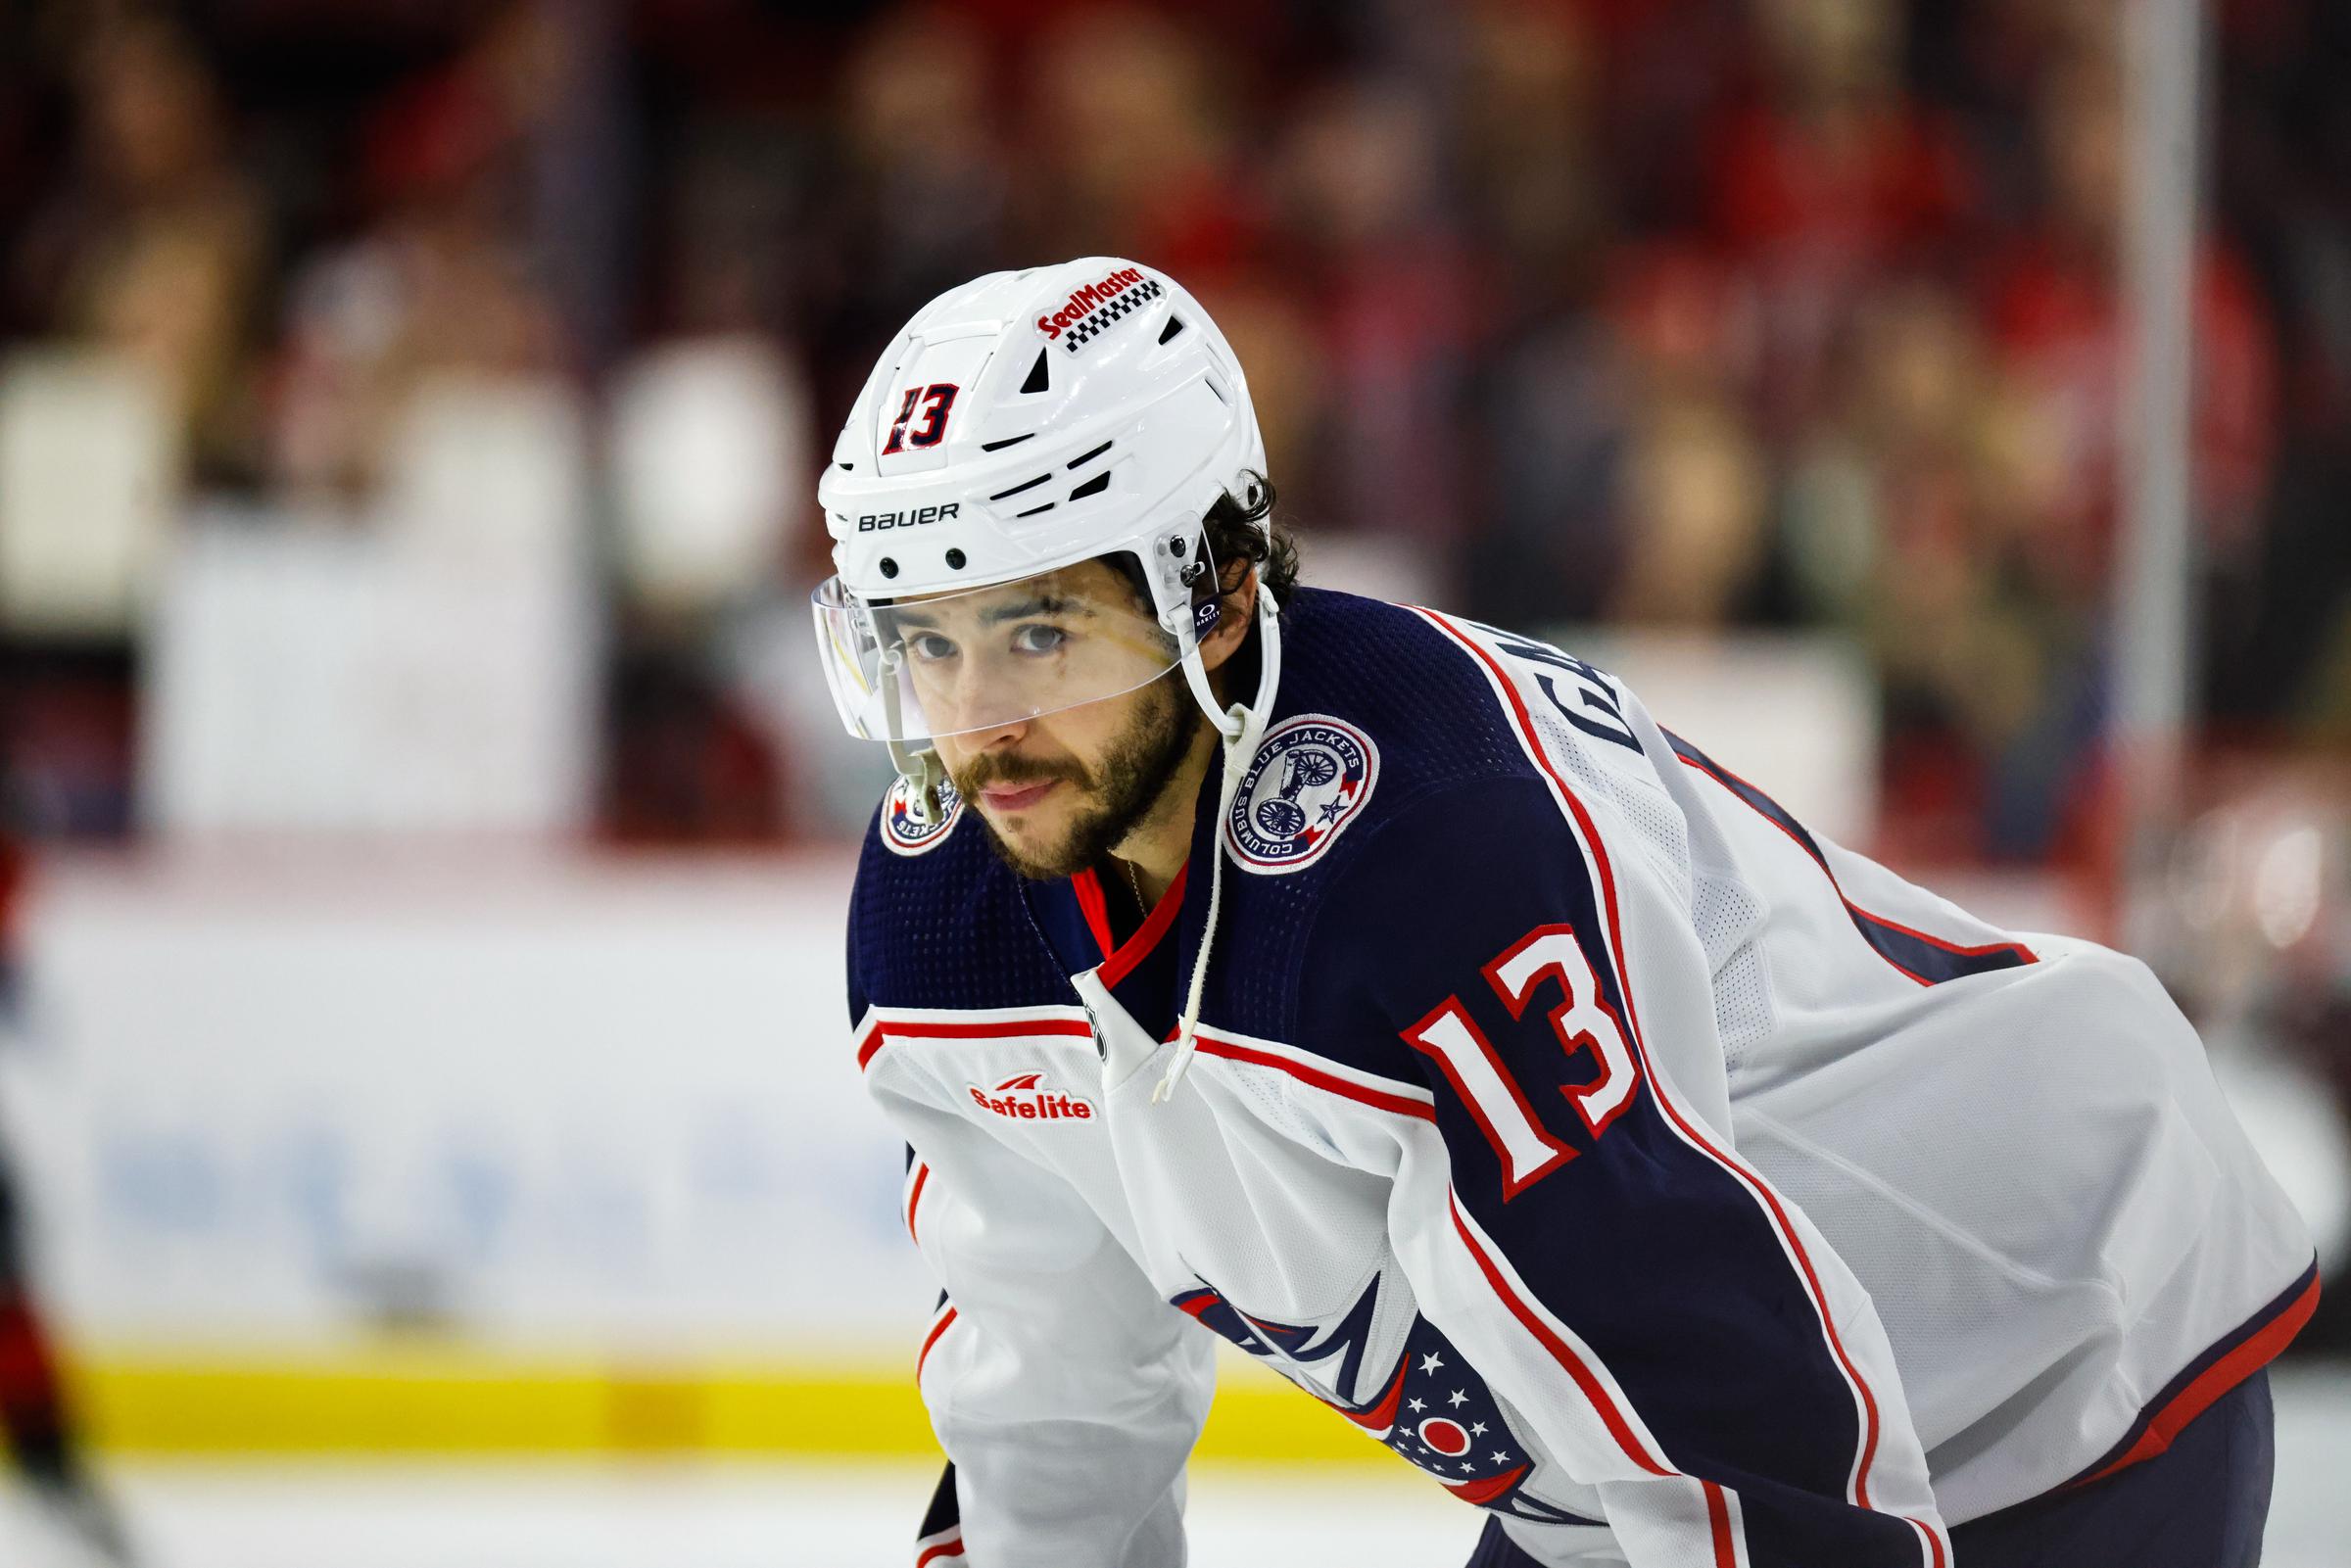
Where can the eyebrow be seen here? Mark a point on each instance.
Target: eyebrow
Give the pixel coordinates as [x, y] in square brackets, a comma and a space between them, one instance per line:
[998, 614]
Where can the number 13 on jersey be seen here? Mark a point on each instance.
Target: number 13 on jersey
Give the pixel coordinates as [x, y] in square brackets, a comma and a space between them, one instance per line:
[1581, 1021]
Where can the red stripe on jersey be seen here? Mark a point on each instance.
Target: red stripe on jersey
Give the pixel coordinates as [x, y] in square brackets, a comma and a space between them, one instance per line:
[1932, 940]
[1560, 1351]
[1120, 963]
[1745, 794]
[1403, 1105]
[1380, 1417]
[1718, 1521]
[937, 1329]
[914, 1200]
[977, 1029]
[1088, 888]
[2216, 1380]
[1934, 1557]
[1820, 1304]
[1484, 1492]
[939, 1552]
[1532, 738]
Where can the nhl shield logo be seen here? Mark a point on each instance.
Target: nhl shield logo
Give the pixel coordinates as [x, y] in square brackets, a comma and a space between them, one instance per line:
[1309, 779]
[901, 830]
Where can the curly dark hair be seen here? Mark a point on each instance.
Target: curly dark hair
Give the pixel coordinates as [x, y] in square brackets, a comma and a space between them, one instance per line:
[1233, 535]
[1233, 539]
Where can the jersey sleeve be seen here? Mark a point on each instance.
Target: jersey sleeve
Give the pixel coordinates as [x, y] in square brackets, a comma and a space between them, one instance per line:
[1066, 1393]
[1579, 1222]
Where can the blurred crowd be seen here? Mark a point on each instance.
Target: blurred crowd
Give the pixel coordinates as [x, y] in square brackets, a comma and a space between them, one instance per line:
[1685, 313]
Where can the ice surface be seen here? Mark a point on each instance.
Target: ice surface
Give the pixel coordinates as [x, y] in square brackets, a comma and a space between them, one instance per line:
[651, 1514]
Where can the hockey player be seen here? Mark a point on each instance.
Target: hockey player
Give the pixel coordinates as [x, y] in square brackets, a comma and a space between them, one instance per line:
[1393, 996]
[33, 1417]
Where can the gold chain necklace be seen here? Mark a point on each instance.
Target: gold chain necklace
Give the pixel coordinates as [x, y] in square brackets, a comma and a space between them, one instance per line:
[1136, 887]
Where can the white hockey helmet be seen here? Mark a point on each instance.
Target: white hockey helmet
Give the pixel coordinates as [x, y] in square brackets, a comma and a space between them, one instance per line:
[1020, 425]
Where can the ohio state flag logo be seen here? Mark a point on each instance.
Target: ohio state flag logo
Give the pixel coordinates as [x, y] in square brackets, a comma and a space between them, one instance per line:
[1308, 781]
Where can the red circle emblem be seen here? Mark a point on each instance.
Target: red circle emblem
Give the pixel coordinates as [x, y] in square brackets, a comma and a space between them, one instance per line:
[1444, 1436]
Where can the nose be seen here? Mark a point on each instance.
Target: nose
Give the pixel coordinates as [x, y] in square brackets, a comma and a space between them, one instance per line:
[977, 693]
[1004, 737]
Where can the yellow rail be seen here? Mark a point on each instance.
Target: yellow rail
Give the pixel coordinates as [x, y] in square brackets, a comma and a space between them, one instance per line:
[418, 1400]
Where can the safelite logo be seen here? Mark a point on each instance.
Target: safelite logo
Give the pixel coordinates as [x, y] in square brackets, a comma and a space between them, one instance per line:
[1024, 1098]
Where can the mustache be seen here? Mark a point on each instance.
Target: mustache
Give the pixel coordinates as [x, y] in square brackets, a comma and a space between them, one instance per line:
[989, 771]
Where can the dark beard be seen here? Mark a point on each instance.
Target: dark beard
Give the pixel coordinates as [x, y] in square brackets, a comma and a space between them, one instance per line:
[1134, 776]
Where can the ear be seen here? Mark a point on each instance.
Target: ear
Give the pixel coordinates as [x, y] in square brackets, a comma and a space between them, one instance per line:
[1238, 612]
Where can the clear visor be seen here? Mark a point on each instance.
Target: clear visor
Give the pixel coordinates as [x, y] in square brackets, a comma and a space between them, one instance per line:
[942, 664]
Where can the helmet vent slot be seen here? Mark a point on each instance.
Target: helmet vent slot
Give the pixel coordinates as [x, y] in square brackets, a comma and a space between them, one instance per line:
[848, 467]
[1033, 511]
[1092, 487]
[1173, 326]
[1036, 381]
[1082, 458]
[1017, 489]
[1000, 446]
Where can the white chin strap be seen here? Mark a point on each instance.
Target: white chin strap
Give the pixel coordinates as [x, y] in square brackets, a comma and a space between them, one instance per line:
[1242, 725]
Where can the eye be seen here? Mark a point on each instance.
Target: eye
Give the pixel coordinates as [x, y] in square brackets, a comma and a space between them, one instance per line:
[929, 647]
[1039, 638]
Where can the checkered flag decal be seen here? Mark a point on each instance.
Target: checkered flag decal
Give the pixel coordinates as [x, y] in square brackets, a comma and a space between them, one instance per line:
[1100, 321]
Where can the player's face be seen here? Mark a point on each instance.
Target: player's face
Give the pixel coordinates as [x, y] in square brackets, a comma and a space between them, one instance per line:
[1058, 791]
[976, 661]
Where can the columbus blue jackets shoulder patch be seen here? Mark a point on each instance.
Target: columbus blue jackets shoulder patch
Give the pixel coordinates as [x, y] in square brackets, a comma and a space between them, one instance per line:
[1310, 778]
[904, 833]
